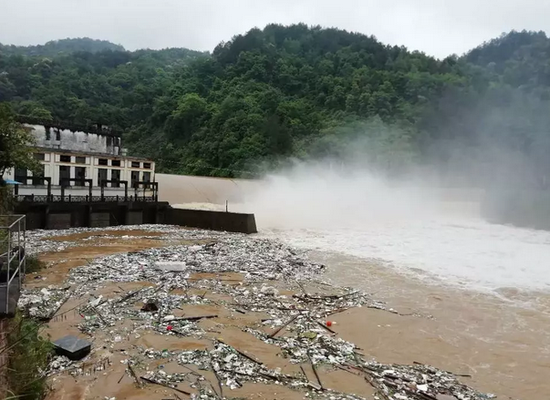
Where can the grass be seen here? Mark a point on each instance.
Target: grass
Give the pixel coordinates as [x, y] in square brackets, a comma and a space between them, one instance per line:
[29, 354]
[33, 265]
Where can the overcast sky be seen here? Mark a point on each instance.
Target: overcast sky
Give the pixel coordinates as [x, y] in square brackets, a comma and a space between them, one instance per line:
[437, 27]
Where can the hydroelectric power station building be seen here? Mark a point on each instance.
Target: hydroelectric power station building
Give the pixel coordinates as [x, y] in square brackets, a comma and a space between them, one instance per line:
[88, 180]
[80, 165]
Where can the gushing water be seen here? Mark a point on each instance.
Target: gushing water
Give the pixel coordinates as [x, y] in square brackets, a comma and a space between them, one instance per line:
[409, 227]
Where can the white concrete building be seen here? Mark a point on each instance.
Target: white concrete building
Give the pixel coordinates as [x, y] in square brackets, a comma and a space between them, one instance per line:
[65, 155]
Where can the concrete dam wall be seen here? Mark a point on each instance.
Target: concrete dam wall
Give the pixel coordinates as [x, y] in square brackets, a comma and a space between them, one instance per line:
[183, 189]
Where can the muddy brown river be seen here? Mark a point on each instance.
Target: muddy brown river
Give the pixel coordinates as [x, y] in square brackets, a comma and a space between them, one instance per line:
[482, 290]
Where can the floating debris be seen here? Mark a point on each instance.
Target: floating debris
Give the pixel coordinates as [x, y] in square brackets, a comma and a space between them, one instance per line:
[72, 347]
[190, 290]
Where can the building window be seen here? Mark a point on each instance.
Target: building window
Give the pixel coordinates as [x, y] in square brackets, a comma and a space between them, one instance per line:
[115, 177]
[64, 158]
[147, 165]
[48, 133]
[39, 156]
[147, 178]
[80, 160]
[135, 164]
[102, 161]
[21, 175]
[115, 163]
[80, 175]
[57, 134]
[101, 175]
[64, 174]
[134, 179]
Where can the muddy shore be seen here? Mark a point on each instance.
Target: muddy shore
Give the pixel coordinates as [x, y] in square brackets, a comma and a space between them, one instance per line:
[415, 330]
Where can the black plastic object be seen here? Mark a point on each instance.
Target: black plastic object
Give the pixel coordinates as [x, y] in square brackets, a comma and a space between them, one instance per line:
[72, 347]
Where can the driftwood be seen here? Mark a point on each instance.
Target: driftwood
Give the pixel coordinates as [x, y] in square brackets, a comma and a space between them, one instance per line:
[242, 354]
[133, 373]
[347, 370]
[315, 372]
[323, 326]
[164, 385]
[52, 314]
[128, 296]
[99, 315]
[449, 372]
[122, 377]
[377, 387]
[218, 379]
[194, 318]
[283, 326]
[334, 296]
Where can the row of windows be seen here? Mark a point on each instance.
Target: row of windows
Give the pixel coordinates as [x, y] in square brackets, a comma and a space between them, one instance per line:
[22, 175]
[101, 161]
[116, 163]
[115, 176]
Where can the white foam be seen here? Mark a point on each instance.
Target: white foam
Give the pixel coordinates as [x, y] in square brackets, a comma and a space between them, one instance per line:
[470, 253]
[409, 226]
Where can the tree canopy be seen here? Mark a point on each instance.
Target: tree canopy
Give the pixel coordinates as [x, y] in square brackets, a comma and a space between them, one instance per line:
[56, 47]
[15, 143]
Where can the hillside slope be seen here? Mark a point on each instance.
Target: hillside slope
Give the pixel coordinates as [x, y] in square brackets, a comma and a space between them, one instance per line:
[56, 47]
[304, 92]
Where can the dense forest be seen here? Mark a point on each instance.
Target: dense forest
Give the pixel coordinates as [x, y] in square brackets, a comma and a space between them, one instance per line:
[303, 92]
[57, 47]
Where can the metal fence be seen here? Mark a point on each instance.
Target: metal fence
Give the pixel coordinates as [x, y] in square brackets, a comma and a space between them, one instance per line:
[12, 260]
[80, 199]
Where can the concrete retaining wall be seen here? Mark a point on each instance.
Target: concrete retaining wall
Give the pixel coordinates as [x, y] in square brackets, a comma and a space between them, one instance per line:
[213, 220]
[61, 215]
[100, 219]
[58, 220]
[134, 217]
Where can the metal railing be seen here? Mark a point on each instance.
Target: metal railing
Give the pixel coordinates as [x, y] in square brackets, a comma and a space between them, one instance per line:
[12, 255]
[82, 199]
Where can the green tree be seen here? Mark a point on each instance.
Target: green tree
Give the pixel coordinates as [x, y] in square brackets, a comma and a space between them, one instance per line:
[15, 142]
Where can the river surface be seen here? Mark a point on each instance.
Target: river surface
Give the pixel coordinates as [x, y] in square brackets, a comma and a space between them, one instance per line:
[468, 253]
[457, 249]
[483, 288]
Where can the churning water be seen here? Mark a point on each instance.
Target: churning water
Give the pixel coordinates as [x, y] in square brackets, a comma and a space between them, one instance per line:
[432, 234]
[372, 234]
[465, 252]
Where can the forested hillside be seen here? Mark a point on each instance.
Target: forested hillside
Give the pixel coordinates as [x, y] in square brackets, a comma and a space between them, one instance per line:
[56, 47]
[297, 91]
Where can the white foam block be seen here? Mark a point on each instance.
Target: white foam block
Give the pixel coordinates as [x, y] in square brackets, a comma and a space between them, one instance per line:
[172, 266]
